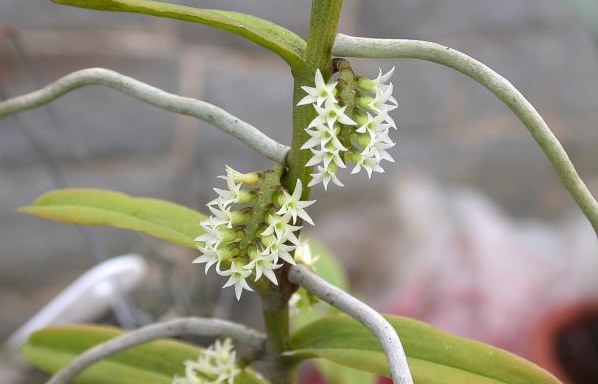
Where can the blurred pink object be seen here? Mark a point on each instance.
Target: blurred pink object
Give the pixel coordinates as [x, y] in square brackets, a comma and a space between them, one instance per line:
[474, 271]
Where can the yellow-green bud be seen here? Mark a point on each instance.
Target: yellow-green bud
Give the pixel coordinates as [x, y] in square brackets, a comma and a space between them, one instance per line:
[251, 178]
[365, 84]
[355, 156]
[240, 217]
[227, 234]
[246, 196]
[269, 240]
[365, 102]
[347, 156]
[361, 119]
[228, 252]
[332, 168]
[253, 252]
[240, 235]
[364, 139]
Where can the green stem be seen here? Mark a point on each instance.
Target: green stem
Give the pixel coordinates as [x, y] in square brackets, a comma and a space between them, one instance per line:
[322, 30]
[346, 94]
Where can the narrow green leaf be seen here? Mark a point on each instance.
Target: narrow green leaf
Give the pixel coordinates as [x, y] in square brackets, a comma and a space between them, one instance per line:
[271, 36]
[156, 362]
[158, 218]
[435, 356]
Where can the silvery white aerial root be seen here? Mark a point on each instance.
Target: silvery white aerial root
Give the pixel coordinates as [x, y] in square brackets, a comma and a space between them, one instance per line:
[186, 326]
[349, 46]
[207, 112]
[384, 332]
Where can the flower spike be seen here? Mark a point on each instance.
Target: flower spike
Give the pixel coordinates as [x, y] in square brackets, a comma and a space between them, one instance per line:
[238, 254]
[216, 364]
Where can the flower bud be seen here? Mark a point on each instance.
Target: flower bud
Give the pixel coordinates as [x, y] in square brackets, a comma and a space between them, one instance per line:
[227, 234]
[364, 139]
[361, 119]
[365, 102]
[253, 252]
[365, 84]
[240, 217]
[251, 178]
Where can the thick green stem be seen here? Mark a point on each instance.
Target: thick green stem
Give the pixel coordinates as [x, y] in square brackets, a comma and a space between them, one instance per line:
[322, 30]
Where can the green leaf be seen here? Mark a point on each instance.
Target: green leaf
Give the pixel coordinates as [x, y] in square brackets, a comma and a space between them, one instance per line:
[435, 356]
[158, 218]
[339, 374]
[156, 362]
[271, 36]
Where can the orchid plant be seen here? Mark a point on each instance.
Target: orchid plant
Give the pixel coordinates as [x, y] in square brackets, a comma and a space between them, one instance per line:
[252, 237]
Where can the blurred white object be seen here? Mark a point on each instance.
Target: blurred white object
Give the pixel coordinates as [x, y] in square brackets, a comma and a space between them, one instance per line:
[86, 298]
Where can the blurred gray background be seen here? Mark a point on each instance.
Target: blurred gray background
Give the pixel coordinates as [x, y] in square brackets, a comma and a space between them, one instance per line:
[450, 129]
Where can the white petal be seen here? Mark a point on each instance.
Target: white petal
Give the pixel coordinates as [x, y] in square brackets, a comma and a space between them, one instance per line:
[314, 160]
[384, 78]
[244, 285]
[319, 79]
[288, 258]
[346, 120]
[386, 156]
[231, 280]
[238, 291]
[270, 275]
[317, 177]
[312, 142]
[390, 121]
[378, 168]
[298, 190]
[339, 162]
[309, 99]
[302, 214]
[336, 181]
[325, 180]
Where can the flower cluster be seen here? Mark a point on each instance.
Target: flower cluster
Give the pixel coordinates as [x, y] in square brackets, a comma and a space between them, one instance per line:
[335, 137]
[375, 124]
[216, 364]
[234, 251]
[324, 130]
